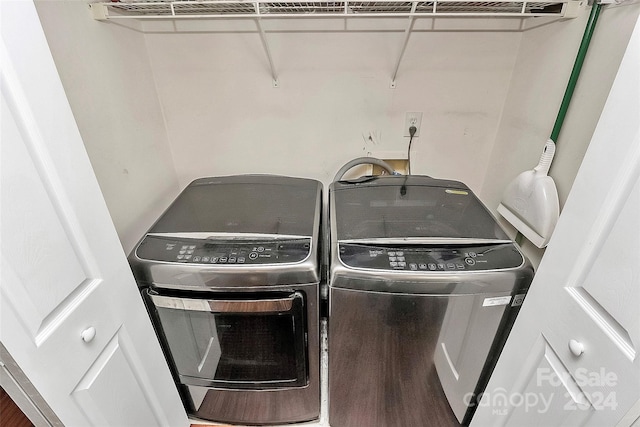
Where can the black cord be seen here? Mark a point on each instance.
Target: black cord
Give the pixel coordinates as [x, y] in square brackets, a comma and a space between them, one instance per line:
[412, 132]
[403, 189]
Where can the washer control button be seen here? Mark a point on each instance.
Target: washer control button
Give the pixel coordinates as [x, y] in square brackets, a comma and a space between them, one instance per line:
[470, 261]
[253, 255]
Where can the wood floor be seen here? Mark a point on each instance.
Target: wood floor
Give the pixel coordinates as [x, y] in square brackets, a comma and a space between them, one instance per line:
[10, 414]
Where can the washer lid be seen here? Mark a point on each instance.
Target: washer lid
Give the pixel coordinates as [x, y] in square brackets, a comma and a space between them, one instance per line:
[244, 204]
[401, 207]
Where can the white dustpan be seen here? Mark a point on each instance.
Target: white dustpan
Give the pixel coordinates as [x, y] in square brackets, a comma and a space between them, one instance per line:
[530, 203]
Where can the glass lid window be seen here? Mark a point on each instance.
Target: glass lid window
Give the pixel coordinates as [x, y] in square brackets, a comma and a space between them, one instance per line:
[242, 208]
[409, 210]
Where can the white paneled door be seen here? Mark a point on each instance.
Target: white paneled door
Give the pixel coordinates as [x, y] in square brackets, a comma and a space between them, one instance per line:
[71, 315]
[572, 358]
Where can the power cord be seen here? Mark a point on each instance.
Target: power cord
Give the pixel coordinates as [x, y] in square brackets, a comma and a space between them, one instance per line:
[412, 132]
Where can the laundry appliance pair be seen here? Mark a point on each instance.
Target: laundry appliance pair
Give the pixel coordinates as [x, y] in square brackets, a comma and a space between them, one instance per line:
[423, 286]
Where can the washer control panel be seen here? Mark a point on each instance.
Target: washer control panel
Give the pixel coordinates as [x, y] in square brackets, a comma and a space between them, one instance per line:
[227, 252]
[437, 258]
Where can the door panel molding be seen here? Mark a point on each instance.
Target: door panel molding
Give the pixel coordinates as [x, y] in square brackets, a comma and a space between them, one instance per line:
[547, 388]
[27, 125]
[100, 402]
[604, 320]
[59, 314]
[56, 198]
[63, 268]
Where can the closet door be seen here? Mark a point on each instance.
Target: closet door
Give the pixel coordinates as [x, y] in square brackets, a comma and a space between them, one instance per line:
[71, 314]
[572, 357]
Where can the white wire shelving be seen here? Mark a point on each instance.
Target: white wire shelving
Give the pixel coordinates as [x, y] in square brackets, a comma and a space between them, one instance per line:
[190, 9]
[257, 10]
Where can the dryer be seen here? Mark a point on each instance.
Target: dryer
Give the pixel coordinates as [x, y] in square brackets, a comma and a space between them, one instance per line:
[230, 275]
[424, 287]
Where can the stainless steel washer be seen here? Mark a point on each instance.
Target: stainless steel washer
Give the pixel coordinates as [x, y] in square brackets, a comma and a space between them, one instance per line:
[424, 286]
[230, 275]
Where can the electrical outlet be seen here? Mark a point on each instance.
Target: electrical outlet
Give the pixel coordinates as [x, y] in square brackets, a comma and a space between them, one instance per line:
[412, 119]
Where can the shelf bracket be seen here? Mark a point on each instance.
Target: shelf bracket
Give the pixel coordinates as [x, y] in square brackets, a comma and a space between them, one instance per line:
[407, 34]
[267, 51]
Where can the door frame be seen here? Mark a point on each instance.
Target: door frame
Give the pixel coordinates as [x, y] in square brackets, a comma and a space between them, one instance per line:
[24, 394]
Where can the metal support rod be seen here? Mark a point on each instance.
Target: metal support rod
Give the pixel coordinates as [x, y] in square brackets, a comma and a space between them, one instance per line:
[407, 34]
[575, 72]
[267, 51]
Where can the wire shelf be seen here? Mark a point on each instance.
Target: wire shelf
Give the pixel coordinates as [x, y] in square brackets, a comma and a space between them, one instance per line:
[150, 9]
[260, 9]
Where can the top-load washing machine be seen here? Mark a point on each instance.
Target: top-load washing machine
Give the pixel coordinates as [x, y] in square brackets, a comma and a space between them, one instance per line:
[230, 275]
[424, 286]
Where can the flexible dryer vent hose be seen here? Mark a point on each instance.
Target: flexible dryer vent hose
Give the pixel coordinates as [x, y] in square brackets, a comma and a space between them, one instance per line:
[364, 161]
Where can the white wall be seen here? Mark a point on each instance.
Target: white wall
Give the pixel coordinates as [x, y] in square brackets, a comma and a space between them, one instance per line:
[106, 74]
[188, 99]
[540, 76]
[224, 117]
